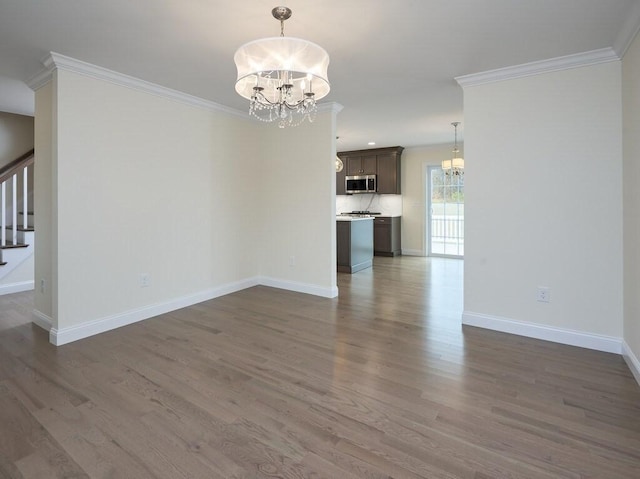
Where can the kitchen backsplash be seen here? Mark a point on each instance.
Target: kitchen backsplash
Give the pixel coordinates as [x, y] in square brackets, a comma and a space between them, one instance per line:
[387, 205]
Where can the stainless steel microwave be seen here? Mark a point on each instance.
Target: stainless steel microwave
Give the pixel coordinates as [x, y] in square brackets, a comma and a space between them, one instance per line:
[360, 184]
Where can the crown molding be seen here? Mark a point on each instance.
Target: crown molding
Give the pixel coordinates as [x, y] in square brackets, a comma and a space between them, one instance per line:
[593, 57]
[56, 61]
[41, 78]
[332, 107]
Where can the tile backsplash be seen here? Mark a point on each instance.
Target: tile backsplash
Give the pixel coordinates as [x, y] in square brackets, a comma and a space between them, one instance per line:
[387, 205]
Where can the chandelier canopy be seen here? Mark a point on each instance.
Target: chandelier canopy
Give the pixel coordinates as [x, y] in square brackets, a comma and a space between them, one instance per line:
[282, 77]
[454, 165]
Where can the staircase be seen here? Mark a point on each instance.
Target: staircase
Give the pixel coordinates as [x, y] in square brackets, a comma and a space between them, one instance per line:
[16, 221]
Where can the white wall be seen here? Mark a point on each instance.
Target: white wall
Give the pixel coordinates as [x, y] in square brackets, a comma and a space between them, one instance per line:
[201, 200]
[631, 169]
[146, 185]
[44, 201]
[297, 207]
[543, 186]
[415, 162]
[16, 136]
[17, 97]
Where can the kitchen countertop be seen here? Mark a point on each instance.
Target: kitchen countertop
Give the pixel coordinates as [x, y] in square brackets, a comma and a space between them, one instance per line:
[353, 218]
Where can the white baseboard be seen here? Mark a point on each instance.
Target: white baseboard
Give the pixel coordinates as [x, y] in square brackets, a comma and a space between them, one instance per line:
[548, 333]
[412, 252]
[16, 287]
[42, 320]
[631, 360]
[300, 287]
[90, 328]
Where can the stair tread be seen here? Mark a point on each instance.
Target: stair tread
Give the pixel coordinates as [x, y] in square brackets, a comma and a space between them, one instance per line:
[21, 228]
[11, 244]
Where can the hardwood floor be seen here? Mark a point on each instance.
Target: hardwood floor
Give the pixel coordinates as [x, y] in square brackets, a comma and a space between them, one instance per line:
[381, 382]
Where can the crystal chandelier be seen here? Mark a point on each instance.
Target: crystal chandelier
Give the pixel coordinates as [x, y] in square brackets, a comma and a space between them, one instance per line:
[282, 77]
[455, 165]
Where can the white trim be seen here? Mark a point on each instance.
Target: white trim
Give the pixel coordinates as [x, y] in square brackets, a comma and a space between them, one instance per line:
[55, 61]
[300, 287]
[593, 57]
[42, 320]
[332, 107]
[40, 79]
[16, 287]
[412, 252]
[90, 328]
[425, 234]
[548, 333]
[631, 360]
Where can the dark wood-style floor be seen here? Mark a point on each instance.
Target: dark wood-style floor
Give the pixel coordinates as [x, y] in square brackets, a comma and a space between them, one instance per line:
[381, 382]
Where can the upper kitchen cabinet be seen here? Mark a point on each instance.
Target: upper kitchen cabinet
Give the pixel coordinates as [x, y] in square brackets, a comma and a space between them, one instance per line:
[389, 171]
[383, 162]
[361, 165]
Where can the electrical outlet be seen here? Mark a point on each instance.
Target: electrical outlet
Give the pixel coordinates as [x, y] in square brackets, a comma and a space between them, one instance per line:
[292, 260]
[543, 295]
[145, 280]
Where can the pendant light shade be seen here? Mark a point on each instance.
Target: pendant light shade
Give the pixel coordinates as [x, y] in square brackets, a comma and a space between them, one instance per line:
[282, 77]
[262, 62]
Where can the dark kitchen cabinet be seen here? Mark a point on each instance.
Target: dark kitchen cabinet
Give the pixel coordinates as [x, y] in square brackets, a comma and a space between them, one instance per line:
[386, 236]
[382, 162]
[362, 165]
[389, 174]
[354, 245]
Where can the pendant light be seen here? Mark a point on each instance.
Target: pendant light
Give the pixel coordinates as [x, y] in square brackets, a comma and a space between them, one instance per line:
[455, 165]
[282, 77]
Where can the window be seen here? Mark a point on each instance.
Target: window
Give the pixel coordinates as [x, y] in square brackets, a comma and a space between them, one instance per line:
[446, 214]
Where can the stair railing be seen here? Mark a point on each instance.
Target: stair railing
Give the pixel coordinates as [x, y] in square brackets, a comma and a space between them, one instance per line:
[9, 181]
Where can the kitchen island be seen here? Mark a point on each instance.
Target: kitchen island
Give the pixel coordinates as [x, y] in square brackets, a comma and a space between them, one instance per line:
[354, 243]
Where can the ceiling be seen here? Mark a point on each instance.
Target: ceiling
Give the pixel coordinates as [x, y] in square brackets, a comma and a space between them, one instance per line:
[392, 66]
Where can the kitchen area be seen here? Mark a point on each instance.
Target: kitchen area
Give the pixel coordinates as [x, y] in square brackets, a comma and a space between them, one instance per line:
[368, 207]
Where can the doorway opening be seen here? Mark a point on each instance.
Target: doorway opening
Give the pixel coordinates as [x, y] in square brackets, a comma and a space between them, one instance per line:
[446, 214]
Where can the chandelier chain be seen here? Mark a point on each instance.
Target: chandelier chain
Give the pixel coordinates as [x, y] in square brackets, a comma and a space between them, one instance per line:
[282, 14]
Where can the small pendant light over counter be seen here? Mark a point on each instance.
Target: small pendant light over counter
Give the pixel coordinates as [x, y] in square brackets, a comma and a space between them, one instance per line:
[454, 165]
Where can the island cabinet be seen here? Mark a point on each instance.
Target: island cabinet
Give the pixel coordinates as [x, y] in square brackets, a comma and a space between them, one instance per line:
[386, 236]
[354, 244]
[382, 162]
